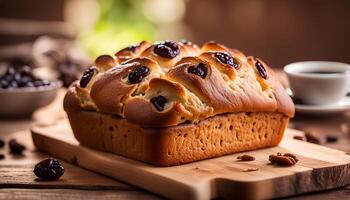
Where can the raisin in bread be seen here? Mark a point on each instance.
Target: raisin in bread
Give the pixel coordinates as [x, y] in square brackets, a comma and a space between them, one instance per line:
[170, 103]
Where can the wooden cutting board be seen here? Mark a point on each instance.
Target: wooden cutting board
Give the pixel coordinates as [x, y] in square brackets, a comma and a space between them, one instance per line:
[319, 168]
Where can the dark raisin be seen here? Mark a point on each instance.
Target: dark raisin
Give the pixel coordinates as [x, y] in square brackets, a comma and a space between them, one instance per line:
[7, 78]
[2, 156]
[138, 74]
[226, 58]
[17, 77]
[199, 70]
[46, 82]
[331, 138]
[15, 147]
[2, 143]
[37, 83]
[24, 80]
[159, 102]
[167, 49]
[312, 138]
[49, 169]
[88, 74]
[4, 84]
[26, 71]
[11, 71]
[261, 69]
[13, 84]
[298, 137]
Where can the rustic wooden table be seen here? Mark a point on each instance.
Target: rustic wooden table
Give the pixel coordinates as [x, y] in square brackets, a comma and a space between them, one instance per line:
[17, 180]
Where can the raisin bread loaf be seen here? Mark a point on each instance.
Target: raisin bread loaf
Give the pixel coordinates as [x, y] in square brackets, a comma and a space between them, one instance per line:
[170, 103]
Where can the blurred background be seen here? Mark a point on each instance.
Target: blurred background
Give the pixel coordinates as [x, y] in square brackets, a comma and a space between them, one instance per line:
[61, 33]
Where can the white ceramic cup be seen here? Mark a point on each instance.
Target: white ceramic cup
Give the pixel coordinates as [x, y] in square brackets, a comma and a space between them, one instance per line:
[318, 88]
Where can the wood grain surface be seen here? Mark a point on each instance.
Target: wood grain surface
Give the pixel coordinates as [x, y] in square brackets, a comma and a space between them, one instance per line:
[319, 168]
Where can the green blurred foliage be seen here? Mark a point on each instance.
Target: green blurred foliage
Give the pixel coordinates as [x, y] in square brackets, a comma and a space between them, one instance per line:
[121, 23]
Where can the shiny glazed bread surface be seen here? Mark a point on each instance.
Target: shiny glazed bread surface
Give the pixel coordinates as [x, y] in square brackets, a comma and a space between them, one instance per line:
[167, 83]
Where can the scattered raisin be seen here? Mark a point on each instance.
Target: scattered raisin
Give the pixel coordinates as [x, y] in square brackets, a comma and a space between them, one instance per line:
[199, 70]
[298, 137]
[226, 58]
[88, 74]
[159, 102]
[331, 138]
[49, 169]
[138, 74]
[246, 157]
[15, 147]
[312, 138]
[2, 143]
[286, 159]
[167, 49]
[261, 69]
[2, 156]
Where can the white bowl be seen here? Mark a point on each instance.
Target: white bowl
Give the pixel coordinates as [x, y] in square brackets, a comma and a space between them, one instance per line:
[318, 88]
[24, 101]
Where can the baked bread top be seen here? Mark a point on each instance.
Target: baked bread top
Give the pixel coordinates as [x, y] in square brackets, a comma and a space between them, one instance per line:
[168, 83]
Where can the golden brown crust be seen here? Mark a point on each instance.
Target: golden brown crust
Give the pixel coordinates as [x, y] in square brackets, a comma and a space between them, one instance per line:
[212, 137]
[223, 88]
[71, 101]
[131, 52]
[105, 62]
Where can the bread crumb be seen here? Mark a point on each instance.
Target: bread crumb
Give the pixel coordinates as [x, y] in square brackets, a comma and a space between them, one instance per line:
[250, 169]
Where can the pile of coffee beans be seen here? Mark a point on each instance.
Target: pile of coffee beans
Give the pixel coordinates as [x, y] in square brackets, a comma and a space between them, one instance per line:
[19, 77]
